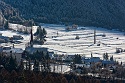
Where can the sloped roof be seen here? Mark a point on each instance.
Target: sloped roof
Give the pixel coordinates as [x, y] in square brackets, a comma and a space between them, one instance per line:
[34, 49]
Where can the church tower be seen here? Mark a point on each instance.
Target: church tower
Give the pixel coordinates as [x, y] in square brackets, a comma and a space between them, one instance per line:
[31, 38]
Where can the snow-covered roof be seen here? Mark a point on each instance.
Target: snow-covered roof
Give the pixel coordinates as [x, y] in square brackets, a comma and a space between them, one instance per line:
[107, 62]
[34, 49]
[91, 59]
[13, 50]
[17, 50]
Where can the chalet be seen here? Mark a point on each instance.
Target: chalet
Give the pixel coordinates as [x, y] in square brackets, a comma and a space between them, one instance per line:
[73, 27]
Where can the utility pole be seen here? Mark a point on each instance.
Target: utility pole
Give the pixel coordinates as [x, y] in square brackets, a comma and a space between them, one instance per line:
[91, 55]
[57, 34]
[94, 36]
[13, 46]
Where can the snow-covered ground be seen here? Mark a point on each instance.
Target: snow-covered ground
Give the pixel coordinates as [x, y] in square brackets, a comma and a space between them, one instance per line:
[65, 43]
[58, 68]
[10, 34]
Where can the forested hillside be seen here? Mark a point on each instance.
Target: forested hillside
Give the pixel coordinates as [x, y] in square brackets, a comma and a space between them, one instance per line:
[100, 13]
[7, 12]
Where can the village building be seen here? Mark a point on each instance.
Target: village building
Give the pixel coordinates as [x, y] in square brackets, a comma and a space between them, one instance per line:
[73, 27]
[51, 54]
[69, 57]
[91, 60]
[15, 52]
[4, 39]
[108, 62]
[34, 49]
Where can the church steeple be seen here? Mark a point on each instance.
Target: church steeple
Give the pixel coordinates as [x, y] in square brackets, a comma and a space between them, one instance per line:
[31, 38]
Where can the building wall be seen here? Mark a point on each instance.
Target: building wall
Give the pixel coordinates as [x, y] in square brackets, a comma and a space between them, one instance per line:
[18, 57]
[14, 55]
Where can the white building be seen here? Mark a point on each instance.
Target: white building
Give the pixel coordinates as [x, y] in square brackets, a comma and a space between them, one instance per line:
[15, 52]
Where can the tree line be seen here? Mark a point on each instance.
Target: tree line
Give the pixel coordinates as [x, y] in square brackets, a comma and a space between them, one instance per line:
[11, 72]
[97, 13]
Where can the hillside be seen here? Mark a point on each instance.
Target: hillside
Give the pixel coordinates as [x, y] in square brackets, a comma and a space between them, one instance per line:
[7, 12]
[100, 13]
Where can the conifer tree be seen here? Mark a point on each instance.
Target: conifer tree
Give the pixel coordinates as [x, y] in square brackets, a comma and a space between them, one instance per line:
[40, 35]
[72, 81]
[21, 66]
[29, 64]
[36, 65]
[12, 64]
[44, 32]
[77, 59]
[14, 76]
[64, 80]
[6, 24]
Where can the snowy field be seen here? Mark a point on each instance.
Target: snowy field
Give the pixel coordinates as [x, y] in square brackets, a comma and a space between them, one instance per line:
[10, 34]
[65, 43]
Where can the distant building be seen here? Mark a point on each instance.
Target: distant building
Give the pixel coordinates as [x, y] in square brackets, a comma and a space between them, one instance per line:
[35, 49]
[4, 39]
[108, 62]
[51, 54]
[73, 27]
[15, 52]
[91, 60]
[69, 57]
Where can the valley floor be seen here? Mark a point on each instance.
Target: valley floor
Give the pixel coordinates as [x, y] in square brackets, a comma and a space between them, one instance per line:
[61, 41]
